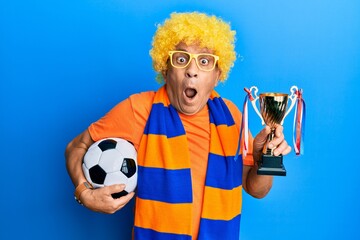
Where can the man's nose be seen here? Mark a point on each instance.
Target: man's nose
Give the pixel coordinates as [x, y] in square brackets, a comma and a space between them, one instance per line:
[192, 69]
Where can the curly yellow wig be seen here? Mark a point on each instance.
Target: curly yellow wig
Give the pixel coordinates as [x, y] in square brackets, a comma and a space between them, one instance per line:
[194, 28]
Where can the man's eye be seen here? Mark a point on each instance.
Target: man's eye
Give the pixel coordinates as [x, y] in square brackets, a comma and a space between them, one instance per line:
[204, 61]
[181, 60]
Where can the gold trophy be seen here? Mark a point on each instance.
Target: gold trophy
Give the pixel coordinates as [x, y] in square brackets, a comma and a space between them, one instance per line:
[272, 113]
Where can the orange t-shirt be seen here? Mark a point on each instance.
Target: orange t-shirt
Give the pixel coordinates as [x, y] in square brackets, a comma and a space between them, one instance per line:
[127, 120]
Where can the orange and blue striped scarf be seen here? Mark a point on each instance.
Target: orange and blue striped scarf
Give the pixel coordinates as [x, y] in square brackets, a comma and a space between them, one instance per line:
[164, 191]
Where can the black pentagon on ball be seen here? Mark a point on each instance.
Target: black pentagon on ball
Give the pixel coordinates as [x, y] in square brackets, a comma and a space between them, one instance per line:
[119, 194]
[97, 174]
[128, 167]
[107, 144]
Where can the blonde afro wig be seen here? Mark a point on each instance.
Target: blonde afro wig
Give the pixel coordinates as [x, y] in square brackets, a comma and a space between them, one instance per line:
[194, 28]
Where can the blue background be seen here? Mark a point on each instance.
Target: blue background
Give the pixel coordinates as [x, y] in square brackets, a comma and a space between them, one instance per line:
[63, 64]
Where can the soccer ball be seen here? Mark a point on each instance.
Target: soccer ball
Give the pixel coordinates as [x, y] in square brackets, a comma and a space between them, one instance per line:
[111, 161]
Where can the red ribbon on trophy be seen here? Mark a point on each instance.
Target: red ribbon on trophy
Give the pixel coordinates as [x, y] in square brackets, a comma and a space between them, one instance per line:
[244, 126]
[299, 124]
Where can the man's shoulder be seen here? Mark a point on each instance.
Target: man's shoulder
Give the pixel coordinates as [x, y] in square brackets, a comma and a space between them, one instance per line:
[142, 101]
[147, 96]
[142, 98]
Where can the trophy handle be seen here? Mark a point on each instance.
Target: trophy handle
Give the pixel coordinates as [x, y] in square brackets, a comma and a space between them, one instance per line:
[292, 98]
[253, 102]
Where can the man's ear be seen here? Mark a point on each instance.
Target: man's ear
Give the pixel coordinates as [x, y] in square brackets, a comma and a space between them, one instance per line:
[218, 77]
[164, 74]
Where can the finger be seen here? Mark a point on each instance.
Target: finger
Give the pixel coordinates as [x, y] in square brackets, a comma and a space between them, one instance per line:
[279, 131]
[279, 138]
[112, 205]
[284, 152]
[283, 149]
[265, 132]
[280, 148]
[287, 150]
[125, 199]
[122, 201]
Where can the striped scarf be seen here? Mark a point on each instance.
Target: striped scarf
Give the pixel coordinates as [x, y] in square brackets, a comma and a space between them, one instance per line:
[164, 191]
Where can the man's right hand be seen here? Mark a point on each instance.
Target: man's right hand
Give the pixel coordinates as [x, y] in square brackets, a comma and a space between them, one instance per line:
[100, 199]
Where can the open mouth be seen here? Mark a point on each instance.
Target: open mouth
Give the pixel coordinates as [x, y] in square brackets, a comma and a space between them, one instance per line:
[190, 92]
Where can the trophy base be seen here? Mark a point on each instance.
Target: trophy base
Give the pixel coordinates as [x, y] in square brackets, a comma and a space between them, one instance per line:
[271, 165]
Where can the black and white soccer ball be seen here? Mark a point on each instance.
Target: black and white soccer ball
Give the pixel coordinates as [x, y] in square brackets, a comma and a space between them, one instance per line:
[111, 161]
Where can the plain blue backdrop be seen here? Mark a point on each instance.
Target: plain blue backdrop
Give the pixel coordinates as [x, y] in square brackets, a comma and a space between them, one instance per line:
[64, 64]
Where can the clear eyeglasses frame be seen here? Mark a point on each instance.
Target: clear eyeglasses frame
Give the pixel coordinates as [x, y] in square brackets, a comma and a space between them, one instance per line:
[204, 61]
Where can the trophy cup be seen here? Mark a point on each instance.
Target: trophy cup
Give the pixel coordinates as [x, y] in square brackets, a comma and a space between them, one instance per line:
[272, 113]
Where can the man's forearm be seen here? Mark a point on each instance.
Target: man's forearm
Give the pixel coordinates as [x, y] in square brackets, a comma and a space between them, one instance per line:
[257, 186]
